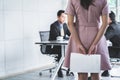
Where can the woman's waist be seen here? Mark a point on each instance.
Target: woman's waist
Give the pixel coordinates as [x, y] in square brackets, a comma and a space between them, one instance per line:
[89, 24]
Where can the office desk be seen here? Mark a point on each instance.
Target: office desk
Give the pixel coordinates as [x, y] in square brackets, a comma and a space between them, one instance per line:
[61, 43]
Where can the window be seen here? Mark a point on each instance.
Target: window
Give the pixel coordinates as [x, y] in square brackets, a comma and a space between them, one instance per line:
[115, 7]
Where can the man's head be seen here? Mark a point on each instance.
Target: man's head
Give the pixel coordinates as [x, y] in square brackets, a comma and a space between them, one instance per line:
[61, 16]
[111, 16]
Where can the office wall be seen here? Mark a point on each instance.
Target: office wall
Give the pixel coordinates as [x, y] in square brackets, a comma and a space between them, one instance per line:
[20, 21]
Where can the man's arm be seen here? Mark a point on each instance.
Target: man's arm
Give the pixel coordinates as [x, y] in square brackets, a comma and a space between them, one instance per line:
[53, 32]
[109, 33]
[67, 30]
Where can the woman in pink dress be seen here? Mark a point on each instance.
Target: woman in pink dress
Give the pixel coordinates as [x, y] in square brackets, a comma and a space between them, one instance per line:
[87, 33]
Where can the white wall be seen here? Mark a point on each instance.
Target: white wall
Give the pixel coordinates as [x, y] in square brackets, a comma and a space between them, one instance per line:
[20, 21]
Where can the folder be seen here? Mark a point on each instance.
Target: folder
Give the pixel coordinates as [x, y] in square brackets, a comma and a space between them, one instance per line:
[84, 63]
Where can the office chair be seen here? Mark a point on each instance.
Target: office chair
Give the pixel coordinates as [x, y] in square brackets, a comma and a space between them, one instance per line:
[44, 36]
[114, 53]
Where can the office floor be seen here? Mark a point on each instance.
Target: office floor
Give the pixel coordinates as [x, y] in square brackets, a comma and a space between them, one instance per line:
[46, 76]
[34, 75]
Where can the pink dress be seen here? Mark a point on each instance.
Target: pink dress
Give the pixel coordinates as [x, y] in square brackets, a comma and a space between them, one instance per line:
[87, 25]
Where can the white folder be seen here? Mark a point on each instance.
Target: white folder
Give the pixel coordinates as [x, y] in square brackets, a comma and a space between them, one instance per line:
[82, 63]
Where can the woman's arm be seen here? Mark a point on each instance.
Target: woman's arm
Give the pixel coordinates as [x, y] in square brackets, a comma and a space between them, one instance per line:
[74, 34]
[100, 33]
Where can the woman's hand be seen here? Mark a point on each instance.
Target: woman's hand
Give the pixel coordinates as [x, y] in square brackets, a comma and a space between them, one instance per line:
[92, 49]
[82, 49]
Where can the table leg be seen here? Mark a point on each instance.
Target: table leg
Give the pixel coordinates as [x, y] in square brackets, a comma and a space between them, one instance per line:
[60, 62]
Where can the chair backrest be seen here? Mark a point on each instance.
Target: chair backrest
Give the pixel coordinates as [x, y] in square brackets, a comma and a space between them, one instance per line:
[44, 35]
[114, 52]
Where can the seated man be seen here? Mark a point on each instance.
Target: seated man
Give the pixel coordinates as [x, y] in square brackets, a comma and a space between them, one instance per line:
[113, 31]
[58, 28]
[112, 34]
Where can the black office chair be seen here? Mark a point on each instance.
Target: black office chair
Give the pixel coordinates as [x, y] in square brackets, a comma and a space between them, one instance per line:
[44, 36]
[114, 53]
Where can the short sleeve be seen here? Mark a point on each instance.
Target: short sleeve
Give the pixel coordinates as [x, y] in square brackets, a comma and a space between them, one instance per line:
[105, 9]
[70, 8]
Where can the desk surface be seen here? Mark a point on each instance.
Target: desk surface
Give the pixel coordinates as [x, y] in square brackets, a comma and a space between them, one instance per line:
[56, 42]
